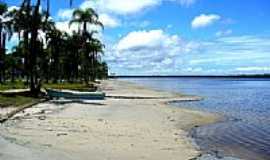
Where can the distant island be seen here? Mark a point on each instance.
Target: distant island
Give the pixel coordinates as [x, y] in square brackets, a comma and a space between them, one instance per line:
[193, 76]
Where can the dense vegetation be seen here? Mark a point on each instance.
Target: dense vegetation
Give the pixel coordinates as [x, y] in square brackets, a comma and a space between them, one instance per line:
[45, 54]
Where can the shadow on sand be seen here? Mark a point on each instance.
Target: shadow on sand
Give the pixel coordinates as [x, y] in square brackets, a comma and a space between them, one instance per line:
[70, 101]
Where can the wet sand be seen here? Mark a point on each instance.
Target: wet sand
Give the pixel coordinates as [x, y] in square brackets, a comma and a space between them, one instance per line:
[132, 123]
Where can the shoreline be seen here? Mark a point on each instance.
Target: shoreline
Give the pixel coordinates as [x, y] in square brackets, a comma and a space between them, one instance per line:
[144, 127]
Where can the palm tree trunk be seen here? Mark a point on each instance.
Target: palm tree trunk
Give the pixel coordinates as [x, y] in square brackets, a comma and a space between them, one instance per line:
[84, 27]
[4, 54]
[26, 56]
[34, 86]
[1, 56]
[56, 63]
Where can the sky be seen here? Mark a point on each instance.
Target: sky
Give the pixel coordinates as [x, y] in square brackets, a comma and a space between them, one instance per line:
[177, 37]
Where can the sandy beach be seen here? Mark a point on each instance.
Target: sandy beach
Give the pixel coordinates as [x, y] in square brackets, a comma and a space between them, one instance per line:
[132, 123]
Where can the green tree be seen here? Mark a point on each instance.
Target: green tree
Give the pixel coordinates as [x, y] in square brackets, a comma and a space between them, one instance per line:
[30, 20]
[56, 57]
[54, 44]
[95, 48]
[34, 21]
[85, 18]
[5, 32]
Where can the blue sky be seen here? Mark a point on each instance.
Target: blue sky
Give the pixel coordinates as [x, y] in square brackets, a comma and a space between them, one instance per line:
[179, 37]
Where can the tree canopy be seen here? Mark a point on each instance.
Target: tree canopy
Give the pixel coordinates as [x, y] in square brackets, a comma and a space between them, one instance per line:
[56, 57]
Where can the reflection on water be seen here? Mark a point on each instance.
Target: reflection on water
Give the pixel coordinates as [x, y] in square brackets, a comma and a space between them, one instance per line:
[246, 104]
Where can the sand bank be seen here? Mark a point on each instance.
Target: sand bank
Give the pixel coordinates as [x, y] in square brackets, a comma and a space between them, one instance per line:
[133, 123]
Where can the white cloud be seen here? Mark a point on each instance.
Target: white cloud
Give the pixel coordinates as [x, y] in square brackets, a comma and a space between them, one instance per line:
[157, 52]
[121, 7]
[204, 20]
[232, 50]
[148, 51]
[223, 33]
[64, 26]
[109, 21]
[11, 8]
[139, 39]
[111, 10]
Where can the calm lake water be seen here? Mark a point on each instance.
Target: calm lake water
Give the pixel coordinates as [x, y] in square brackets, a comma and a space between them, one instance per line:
[244, 102]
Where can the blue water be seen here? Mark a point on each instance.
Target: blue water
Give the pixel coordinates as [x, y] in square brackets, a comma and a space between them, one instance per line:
[244, 102]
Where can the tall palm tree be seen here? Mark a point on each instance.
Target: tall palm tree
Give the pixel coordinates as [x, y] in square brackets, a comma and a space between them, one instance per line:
[85, 18]
[28, 21]
[31, 34]
[72, 47]
[3, 9]
[30, 30]
[5, 32]
[21, 19]
[54, 42]
[96, 48]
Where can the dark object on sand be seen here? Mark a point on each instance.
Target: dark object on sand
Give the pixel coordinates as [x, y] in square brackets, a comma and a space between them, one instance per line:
[68, 94]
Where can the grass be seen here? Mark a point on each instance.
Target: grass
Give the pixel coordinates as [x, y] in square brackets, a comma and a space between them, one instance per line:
[12, 85]
[69, 86]
[15, 101]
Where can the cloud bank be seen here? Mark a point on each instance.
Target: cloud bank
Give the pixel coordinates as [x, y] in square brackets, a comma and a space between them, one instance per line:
[152, 52]
[157, 52]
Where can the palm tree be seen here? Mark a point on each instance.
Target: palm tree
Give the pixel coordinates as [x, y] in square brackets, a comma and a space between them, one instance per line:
[101, 70]
[3, 9]
[84, 18]
[95, 49]
[72, 47]
[32, 33]
[54, 42]
[17, 52]
[5, 32]
[29, 20]
[21, 24]
[79, 48]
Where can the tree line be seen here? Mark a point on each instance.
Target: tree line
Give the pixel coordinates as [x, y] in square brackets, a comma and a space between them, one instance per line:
[46, 54]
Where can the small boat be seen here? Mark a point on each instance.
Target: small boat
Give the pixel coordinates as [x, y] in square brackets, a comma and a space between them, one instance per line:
[68, 94]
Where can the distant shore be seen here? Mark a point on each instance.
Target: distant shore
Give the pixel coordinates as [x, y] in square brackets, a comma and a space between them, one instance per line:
[133, 123]
[194, 76]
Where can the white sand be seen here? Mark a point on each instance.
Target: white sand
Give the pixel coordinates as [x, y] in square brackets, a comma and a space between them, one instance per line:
[113, 129]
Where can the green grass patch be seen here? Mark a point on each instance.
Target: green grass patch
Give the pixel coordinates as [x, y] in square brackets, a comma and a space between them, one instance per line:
[19, 99]
[71, 86]
[15, 101]
[12, 85]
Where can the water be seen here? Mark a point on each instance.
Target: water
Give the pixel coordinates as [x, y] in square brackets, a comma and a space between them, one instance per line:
[244, 102]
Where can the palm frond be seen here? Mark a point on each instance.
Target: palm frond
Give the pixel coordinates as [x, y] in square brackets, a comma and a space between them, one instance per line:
[71, 22]
[77, 13]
